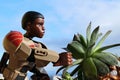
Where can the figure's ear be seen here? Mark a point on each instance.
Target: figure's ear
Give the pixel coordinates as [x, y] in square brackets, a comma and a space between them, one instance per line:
[28, 26]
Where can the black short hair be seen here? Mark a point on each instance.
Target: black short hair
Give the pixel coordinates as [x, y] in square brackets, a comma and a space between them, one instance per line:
[30, 16]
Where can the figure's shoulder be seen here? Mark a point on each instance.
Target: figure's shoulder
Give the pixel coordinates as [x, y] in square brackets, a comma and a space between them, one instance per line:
[14, 33]
[12, 40]
[14, 37]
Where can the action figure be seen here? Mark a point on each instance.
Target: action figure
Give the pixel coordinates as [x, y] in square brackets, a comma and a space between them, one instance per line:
[24, 54]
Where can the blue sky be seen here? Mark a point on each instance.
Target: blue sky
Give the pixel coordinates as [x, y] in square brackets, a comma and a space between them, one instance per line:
[63, 18]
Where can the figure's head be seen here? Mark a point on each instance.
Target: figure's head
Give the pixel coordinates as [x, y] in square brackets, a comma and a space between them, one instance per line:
[33, 23]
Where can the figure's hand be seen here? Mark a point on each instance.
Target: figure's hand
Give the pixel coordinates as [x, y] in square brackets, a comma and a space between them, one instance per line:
[64, 60]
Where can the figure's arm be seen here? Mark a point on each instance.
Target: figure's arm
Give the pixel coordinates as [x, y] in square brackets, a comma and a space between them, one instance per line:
[15, 43]
[46, 54]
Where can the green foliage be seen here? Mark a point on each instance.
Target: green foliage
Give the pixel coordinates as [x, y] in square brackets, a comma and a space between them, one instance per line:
[90, 56]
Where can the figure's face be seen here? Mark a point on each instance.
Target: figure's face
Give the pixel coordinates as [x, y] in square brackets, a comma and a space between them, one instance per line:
[38, 29]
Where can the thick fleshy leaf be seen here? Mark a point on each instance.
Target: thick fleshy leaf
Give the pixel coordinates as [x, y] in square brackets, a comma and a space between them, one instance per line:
[106, 58]
[101, 41]
[82, 41]
[73, 64]
[107, 47]
[89, 68]
[77, 62]
[76, 49]
[94, 35]
[76, 38]
[99, 35]
[88, 32]
[102, 68]
[89, 50]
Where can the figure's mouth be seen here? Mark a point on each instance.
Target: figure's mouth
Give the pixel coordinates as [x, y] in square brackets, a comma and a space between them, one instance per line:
[43, 32]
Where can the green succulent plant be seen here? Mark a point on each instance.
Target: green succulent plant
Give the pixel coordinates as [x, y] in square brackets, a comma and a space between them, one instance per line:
[91, 58]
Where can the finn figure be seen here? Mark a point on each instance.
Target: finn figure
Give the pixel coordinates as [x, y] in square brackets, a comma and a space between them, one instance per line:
[24, 54]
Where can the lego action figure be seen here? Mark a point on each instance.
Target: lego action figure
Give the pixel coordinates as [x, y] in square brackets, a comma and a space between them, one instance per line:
[24, 54]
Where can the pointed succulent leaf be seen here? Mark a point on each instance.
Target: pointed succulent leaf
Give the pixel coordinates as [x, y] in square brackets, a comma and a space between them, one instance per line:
[101, 41]
[107, 47]
[88, 32]
[76, 38]
[94, 35]
[83, 41]
[99, 35]
[73, 64]
[89, 50]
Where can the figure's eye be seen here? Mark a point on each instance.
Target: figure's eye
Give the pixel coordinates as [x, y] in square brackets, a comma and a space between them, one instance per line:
[40, 24]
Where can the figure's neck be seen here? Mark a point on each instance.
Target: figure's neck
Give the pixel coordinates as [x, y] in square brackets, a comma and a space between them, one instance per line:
[28, 35]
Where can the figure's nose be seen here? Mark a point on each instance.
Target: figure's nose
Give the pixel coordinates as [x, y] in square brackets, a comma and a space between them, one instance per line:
[43, 28]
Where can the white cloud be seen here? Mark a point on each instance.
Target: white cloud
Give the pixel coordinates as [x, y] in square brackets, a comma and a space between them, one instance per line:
[68, 17]
[78, 13]
[64, 18]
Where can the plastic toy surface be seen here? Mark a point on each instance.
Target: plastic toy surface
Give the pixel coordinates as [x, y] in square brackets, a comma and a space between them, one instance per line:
[20, 50]
[23, 54]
